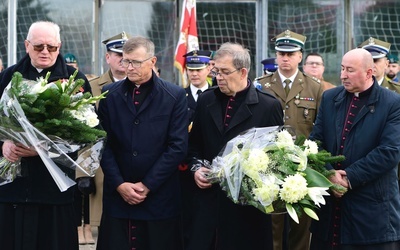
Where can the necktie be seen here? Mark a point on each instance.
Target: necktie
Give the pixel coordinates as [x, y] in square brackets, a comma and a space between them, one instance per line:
[287, 86]
[199, 92]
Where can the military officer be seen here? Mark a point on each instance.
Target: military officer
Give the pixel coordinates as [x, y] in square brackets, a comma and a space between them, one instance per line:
[300, 96]
[379, 50]
[113, 58]
[115, 73]
[269, 65]
[392, 72]
[197, 69]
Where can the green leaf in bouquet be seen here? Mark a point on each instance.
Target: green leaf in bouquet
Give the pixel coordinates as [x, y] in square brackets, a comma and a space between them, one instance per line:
[311, 213]
[316, 179]
[292, 212]
[64, 100]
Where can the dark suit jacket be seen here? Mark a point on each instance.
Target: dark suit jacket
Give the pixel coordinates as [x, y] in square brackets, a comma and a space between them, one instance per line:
[144, 146]
[191, 104]
[370, 210]
[207, 138]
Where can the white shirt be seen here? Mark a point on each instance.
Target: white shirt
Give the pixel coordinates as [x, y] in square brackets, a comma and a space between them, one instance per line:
[194, 90]
[283, 78]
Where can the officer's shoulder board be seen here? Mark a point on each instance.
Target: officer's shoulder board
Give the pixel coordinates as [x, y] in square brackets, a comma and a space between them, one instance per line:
[313, 78]
[94, 79]
[263, 76]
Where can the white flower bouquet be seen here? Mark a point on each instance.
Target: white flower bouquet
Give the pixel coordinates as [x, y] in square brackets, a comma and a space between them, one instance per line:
[264, 167]
[55, 119]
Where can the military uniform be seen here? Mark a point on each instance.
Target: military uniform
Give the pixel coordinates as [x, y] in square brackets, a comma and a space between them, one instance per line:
[300, 106]
[195, 60]
[113, 44]
[392, 85]
[99, 82]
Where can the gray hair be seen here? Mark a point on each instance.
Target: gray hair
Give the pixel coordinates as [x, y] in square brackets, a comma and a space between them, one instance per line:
[138, 42]
[46, 25]
[240, 55]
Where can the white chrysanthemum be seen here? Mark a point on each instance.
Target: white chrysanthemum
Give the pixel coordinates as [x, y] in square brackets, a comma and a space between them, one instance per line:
[311, 147]
[257, 160]
[284, 139]
[294, 188]
[86, 115]
[316, 195]
[268, 191]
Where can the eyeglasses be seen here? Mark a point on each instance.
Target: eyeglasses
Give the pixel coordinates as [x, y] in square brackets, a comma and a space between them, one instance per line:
[40, 47]
[135, 64]
[215, 73]
[315, 63]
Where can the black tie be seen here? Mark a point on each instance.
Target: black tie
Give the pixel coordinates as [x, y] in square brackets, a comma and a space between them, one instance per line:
[199, 92]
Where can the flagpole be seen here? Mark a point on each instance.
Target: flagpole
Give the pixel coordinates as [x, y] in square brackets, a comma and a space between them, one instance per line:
[188, 39]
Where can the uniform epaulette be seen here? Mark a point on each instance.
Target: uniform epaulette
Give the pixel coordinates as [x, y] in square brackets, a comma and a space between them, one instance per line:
[263, 76]
[313, 77]
[94, 79]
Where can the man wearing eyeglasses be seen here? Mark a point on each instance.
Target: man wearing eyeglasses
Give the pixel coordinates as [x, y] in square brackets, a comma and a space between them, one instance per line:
[221, 114]
[145, 118]
[34, 213]
[300, 97]
[314, 67]
[379, 50]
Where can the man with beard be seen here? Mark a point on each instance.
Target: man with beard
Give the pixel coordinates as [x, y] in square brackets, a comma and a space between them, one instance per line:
[392, 72]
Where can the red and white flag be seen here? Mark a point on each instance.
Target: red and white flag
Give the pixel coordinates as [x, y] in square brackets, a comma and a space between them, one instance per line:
[188, 39]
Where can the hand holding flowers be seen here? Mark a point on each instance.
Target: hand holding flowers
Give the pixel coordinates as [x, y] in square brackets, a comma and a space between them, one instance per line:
[52, 120]
[263, 167]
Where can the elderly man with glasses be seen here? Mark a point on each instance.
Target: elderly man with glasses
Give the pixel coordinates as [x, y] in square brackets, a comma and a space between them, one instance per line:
[34, 213]
[221, 114]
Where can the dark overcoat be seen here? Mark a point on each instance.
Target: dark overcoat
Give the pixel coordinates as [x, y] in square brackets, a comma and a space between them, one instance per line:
[144, 145]
[207, 138]
[371, 209]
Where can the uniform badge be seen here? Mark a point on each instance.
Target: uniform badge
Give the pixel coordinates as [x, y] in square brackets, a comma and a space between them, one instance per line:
[305, 113]
[267, 85]
[297, 101]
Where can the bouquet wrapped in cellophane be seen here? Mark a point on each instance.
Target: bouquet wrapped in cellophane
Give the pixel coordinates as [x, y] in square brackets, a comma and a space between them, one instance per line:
[266, 168]
[55, 119]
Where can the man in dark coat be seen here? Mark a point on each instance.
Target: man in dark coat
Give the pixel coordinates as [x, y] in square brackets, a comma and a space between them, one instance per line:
[34, 213]
[361, 121]
[146, 122]
[223, 113]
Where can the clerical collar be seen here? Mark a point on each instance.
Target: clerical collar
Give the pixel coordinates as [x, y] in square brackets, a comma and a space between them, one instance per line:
[364, 93]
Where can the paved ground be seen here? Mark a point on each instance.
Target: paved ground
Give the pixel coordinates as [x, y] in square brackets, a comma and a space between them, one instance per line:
[90, 246]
